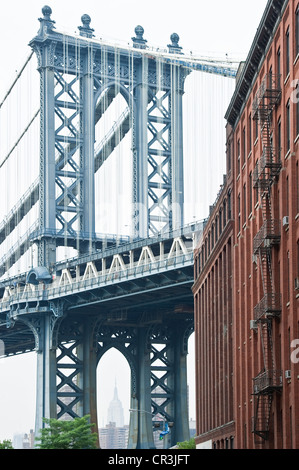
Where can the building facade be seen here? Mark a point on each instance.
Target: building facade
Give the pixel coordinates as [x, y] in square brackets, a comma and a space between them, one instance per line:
[260, 406]
[213, 325]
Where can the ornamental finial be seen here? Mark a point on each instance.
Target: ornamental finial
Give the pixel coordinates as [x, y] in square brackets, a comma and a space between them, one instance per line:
[174, 47]
[86, 30]
[47, 25]
[138, 41]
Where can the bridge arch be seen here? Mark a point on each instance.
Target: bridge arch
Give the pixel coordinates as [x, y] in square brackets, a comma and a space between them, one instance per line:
[114, 110]
[114, 380]
[121, 88]
[122, 340]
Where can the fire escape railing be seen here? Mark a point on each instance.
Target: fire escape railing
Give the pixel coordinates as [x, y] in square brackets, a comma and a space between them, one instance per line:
[267, 236]
[267, 381]
[269, 306]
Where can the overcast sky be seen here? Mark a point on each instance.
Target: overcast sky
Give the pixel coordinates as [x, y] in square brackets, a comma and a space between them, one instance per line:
[204, 27]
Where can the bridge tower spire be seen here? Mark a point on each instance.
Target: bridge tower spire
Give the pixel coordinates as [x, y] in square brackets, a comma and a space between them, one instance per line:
[74, 78]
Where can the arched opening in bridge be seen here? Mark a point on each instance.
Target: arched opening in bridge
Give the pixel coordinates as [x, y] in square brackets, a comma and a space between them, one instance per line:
[113, 161]
[113, 398]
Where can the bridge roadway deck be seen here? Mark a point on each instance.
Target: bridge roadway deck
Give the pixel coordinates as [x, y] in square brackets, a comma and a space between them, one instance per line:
[145, 281]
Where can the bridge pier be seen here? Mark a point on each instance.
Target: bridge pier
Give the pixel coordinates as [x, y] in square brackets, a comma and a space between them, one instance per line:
[46, 395]
[87, 379]
[181, 389]
[66, 370]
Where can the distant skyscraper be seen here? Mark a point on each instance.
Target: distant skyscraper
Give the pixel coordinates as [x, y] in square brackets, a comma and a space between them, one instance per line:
[115, 410]
[112, 437]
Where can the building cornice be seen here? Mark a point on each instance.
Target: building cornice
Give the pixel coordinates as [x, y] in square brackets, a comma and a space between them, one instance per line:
[248, 70]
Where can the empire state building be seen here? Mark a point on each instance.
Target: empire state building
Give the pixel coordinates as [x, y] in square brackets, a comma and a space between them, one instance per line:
[115, 410]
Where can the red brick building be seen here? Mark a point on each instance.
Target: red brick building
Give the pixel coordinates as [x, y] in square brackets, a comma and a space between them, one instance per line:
[247, 276]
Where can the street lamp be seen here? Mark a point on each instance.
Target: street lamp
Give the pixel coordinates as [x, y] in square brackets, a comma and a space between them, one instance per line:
[139, 411]
[156, 424]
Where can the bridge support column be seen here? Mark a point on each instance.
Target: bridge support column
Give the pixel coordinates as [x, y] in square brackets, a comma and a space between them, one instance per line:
[45, 51]
[87, 379]
[141, 428]
[87, 152]
[181, 414]
[140, 163]
[177, 176]
[46, 398]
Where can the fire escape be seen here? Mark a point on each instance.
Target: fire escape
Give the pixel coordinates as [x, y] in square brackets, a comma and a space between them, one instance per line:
[268, 310]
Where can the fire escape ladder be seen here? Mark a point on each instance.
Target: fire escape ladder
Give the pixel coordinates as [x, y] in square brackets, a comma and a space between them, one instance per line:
[266, 272]
[267, 169]
[261, 420]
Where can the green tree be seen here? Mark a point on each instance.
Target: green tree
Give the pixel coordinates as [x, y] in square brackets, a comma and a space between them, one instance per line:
[6, 444]
[74, 434]
[187, 444]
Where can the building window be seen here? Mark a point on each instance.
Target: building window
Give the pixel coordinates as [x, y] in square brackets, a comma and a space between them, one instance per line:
[229, 206]
[249, 133]
[250, 192]
[297, 113]
[278, 67]
[256, 130]
[270, 84]
[288, 51]
[244, 145]
[288, 275]
[228, 156]
[288, 127]
[297, 186]
[224, 213]
[256, 194]
[287, 196]
[220, 221]
[244, 203]
[279, 140]
[239, 157]
[297, 29]
[239, 213]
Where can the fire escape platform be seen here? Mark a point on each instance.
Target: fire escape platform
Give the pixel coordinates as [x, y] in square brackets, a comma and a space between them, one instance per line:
[268, 236]
[267, 382]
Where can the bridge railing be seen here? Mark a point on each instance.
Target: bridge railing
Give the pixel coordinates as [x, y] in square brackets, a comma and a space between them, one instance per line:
[64, 284]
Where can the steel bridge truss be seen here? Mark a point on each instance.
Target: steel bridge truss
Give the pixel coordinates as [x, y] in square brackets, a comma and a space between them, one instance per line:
[79, 80]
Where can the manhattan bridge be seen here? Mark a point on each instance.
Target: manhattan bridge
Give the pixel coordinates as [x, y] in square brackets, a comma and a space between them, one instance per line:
[84, 290]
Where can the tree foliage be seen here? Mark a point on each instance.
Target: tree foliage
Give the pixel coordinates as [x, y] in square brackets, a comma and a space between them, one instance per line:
[187, 444]
[74, 434]
[6, 444]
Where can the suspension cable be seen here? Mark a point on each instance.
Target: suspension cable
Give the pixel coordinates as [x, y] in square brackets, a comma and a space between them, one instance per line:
[16, 79]
[19, 139]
